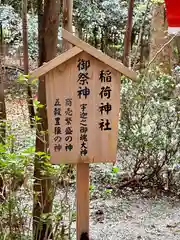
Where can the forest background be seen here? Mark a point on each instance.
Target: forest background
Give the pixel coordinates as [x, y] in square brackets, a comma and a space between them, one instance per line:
[134, 32]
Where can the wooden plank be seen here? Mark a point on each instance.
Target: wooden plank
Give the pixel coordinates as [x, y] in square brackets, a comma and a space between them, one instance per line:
[99, 55]
[62, 83]
[55, 62]
[82, 194]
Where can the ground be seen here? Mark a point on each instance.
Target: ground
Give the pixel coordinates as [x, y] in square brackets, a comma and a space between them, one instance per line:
[135, 217]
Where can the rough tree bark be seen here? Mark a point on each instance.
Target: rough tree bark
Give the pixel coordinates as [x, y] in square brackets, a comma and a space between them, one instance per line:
[127, 39]
[2, 96]
[2, 104]
[67, 21]
[177, 43]
[26, 61]
[159, 37]
[48, 19]
[67, 24]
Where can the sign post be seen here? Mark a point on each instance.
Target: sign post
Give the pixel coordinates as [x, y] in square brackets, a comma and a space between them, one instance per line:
[83, 103]
[82, 200]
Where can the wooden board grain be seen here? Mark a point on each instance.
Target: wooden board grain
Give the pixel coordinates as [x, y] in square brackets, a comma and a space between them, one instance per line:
[62, 83]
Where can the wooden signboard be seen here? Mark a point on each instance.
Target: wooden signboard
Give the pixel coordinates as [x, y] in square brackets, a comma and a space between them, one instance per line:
[83, 105]
[83, 102]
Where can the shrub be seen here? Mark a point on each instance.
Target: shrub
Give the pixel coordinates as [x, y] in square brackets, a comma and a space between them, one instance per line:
[149, 132]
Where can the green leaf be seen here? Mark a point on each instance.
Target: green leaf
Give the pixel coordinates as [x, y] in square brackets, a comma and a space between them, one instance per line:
[108, 191]
[36, 118]
[115, 169]
[40, 154]
[34, 81]
[91, 188]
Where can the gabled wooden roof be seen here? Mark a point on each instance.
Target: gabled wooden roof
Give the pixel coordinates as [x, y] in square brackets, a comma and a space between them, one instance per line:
[79, 47]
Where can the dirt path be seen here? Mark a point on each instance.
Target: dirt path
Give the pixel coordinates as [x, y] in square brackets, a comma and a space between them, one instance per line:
[135, 218]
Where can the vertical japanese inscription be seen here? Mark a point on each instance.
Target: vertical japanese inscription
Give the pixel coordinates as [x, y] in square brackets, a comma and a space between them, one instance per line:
[83, 92]
[83, 78]
[105, 93]
[83, 129]
[57, 126]
[68, 125]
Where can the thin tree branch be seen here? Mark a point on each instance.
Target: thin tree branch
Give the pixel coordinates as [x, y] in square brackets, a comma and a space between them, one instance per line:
[161, 49]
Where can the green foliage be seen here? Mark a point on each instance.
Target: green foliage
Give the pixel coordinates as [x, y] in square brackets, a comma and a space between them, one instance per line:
[16, 4]
[100, 14]
[16, 171]
[13, 161]
[104, 20]
[12, 30]
[103, 24]
[11, 24]
[33, 36]
[115, 169]
[149, 127]
[142, 17]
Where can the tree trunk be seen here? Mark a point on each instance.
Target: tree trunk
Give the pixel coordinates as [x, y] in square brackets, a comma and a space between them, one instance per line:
[2, 105]
[2, 96]
[67, 21]
[127, 39]
[177, 43]
[159, 37]
[67, 25]
[26, 62]
[48, 18]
